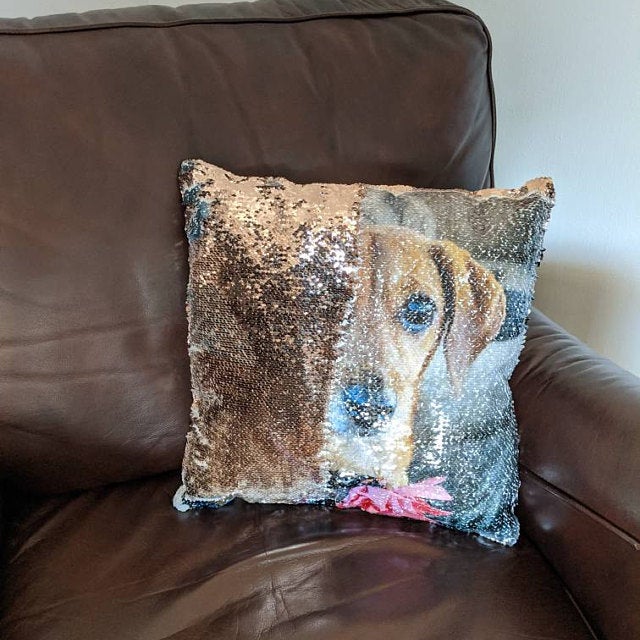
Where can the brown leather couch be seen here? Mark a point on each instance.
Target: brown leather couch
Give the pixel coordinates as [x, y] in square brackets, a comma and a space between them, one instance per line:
[96, 112]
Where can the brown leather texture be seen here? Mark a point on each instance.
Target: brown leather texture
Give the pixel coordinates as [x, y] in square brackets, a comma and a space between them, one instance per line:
[117, 563]
[94, 381]
[93, 366]
[579, 416]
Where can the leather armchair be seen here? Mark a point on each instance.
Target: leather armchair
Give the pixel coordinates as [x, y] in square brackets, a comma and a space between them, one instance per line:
[579, 416]
[98, 110]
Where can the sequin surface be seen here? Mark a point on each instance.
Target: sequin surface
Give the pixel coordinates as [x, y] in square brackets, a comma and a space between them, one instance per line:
[352, 344]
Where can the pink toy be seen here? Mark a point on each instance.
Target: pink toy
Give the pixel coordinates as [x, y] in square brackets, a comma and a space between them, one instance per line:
[402, 502]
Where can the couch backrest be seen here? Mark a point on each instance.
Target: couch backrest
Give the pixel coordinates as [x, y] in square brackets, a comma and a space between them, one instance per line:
[96, 112]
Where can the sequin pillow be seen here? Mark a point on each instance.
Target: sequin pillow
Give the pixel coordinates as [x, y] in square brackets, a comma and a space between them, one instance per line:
[352, 345]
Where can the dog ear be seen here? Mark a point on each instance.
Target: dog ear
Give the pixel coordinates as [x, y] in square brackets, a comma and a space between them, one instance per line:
[474, 308]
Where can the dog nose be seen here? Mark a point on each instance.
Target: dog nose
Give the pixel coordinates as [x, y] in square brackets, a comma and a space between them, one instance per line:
[367, 402]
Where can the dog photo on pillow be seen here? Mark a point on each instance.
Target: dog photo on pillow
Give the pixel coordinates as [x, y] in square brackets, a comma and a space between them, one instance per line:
[352, 345]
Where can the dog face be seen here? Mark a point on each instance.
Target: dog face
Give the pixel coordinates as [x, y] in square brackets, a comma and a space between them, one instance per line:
[412, 295]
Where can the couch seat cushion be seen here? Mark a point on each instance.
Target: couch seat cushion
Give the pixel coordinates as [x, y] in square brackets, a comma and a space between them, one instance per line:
[121, 563]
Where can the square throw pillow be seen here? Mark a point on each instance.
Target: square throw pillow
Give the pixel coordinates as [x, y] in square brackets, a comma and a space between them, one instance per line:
[352, 344]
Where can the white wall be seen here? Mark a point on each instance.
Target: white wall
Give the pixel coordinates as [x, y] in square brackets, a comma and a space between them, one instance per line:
[567, 75]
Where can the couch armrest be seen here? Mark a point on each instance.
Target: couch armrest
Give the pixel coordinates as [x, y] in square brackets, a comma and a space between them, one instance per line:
[579, 418]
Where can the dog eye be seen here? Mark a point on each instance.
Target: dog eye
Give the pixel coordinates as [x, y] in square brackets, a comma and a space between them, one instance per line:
[417, 313]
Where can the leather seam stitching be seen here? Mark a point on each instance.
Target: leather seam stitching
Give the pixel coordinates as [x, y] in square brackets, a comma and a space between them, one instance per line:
[578, 608]
[583, 509]
[71, 28]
